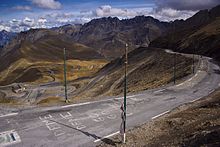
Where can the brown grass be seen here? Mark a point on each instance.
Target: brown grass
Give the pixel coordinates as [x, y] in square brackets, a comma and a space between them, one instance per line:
[40, 72]
[51, 101]
[148, 68]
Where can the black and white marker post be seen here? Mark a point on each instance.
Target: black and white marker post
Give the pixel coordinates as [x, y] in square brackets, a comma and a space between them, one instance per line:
[194, 51]
[123, 106]
[174, 56]
[64, 69]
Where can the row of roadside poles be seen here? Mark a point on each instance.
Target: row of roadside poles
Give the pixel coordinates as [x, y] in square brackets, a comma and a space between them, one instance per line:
[174, 64]
[123, 106]
[175, 56]
[64, 70]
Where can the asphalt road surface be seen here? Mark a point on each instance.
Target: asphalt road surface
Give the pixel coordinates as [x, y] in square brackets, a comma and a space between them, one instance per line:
[86, 124]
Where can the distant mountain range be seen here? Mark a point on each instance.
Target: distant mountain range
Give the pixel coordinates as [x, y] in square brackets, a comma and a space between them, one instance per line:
[109, 35]
[105, 38]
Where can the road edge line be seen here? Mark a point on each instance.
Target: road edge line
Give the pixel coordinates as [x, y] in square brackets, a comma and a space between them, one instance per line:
[110, 135]
[160, 114]
[10, 114]
[92, 102]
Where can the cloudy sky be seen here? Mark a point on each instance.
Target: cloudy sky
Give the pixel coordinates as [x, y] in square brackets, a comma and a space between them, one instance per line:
[20, 15]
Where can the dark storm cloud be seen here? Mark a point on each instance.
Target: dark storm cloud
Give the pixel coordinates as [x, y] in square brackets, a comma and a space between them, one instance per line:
[187, 4]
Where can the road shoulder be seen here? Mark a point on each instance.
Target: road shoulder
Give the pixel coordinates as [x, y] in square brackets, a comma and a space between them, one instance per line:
[193, 124]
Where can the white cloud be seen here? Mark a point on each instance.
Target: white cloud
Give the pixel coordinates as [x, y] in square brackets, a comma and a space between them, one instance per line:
[107, 10]
[47, 4]
[56, 15]
[168, 14]
[26, 8]
[6, 28]
[28, 22]
[55, 19]
[63, 20]
[163, 14]
[59, 19]
[42, 20]
[17, 25]
[193, 5]
[41, 23]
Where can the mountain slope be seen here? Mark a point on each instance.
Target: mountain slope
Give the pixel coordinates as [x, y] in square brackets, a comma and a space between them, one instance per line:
[5, 37]
[108, 35]
[40, 52]
[68, 29]
[145, 65]
[199, 34]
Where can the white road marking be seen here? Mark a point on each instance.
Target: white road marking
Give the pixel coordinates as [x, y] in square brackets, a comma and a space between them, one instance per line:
[160, 114]
[10, 114]
[110, 135]
[69, 115]
[80, 127]
[54, 126]
[136, 99]
[180, 84]
[131, 96]
[98, 119]
[158, 91]
[104, 112]
[195, 100]
[112, 116]
[190, 79]
[169, 51]
[59, 133]
[45, 117]
[87, 103]
[93, 115]
[73, 122]
[80, 104]
[211, 91]
[119, 98]
[129, 114]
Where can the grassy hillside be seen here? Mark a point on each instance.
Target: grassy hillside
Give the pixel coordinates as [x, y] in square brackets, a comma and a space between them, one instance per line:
[203, 40]
[147, 68]
[37, 56]
[24, 70]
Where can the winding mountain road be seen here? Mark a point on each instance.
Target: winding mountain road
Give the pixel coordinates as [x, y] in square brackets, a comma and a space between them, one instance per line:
[86, 124]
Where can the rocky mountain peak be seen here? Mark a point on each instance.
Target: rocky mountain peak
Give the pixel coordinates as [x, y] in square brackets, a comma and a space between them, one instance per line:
[6, 37]
[215, 12]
